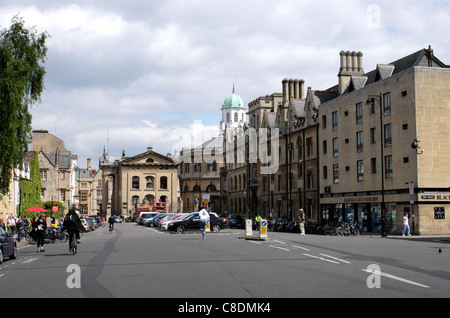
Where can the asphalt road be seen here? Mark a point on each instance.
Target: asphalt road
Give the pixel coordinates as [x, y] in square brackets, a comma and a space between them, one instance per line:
[136, 261]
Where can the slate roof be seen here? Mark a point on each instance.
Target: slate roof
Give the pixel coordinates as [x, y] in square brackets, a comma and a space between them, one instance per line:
[383, 71]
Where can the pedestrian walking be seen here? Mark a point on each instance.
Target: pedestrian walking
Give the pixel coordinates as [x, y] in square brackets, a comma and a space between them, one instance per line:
[39, 228]
[406, 225]
[204, 219]
[302, 222]
[19, 226]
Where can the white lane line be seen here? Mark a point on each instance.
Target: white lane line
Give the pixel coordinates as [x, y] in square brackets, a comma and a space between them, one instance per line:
[1, 275]
[28, 261]
[335, 258]
[321, 258]
[396, 278]
[259, 243]
[280, 248]
[302, 248]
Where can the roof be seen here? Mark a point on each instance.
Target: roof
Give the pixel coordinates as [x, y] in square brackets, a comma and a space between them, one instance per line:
[423, 58]
[233, 101]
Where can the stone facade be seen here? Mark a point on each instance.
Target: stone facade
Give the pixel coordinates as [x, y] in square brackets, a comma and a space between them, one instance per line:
[141, 180]
[58, 168]
[367, 159]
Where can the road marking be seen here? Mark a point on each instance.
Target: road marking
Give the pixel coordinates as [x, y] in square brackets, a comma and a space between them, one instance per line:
[259, 243]
[335, 258]
[28, 261]
[302, 248]
[321, 258]
[280, 248]
[1, 275]
[396, 278]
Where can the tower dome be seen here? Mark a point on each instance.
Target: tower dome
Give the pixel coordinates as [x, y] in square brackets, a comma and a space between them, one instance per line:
[233, 112]
[233, 101]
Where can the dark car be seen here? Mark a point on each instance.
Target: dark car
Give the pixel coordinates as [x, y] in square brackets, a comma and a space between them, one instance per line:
[191, 222]
[8, 246]
[236, 221]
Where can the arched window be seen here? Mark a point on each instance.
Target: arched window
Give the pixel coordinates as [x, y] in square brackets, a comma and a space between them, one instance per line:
[235, 117]
[135, 183]
[228, 118]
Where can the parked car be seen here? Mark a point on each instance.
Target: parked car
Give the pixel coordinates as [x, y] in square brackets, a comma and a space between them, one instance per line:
[8, 246]
[236, 221]
[165, 217]
[92, 222]
[149, 221]
[156, 218]
[97, 219]
[192, 223]
[85, 224]
[144, 216]
[164, 225]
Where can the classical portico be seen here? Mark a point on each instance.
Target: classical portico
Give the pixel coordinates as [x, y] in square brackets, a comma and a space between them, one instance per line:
[140, 180]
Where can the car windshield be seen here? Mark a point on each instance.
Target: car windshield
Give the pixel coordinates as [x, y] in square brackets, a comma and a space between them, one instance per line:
[182, 217]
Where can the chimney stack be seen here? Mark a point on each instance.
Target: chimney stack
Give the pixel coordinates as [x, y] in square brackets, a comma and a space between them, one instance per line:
[351, 65]
[293, 89]
[89, 165]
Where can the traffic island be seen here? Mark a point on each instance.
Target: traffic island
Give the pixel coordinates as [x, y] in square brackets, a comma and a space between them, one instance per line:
[262, 236]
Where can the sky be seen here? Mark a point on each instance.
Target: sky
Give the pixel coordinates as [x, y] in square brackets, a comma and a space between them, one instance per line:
[139, 73]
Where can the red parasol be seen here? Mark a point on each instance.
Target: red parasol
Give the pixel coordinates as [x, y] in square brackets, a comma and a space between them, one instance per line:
[36, 209]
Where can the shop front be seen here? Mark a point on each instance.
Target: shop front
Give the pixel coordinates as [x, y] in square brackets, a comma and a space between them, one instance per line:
[365, 212]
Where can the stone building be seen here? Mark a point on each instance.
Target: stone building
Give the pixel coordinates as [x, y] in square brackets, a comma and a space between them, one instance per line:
[141, 180]
[200, 176]
[90, 189]
[367, 163]
[57, 167]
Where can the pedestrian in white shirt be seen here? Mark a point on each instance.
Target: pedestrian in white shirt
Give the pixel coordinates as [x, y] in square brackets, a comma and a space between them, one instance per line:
[406, 225]
[204, 219]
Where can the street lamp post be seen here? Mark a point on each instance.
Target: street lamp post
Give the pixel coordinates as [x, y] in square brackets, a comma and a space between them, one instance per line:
[371, 101]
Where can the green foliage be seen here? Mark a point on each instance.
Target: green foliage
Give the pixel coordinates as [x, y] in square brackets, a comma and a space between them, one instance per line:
[22, 53]
[48, 206]
[31, 189]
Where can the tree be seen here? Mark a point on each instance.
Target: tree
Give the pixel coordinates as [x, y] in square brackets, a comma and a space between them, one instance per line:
[22, 55]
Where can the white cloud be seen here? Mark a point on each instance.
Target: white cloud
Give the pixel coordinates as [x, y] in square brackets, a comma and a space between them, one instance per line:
[145, 69]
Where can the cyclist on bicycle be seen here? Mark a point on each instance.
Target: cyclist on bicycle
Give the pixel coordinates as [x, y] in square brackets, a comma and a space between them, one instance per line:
[111, 221]
[72, 224]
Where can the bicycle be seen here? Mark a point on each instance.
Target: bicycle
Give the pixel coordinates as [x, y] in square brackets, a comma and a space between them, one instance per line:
[73, 244]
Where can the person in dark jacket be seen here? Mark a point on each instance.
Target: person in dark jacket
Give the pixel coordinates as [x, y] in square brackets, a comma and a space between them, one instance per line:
[72, 224]
[39, 228]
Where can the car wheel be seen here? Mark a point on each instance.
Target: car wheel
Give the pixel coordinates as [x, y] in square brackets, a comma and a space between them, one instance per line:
[181, 229]
[1, 256]
[14, 254]
[216, 228]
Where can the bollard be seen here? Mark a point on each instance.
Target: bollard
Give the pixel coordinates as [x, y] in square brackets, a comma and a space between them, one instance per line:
[263, 229]
[248, 228]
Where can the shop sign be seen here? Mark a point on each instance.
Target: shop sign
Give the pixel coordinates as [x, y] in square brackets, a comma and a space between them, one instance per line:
[361, 199]
[436, 197]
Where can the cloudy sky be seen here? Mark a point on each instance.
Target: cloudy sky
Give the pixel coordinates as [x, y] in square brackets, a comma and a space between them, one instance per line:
[138, 73]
